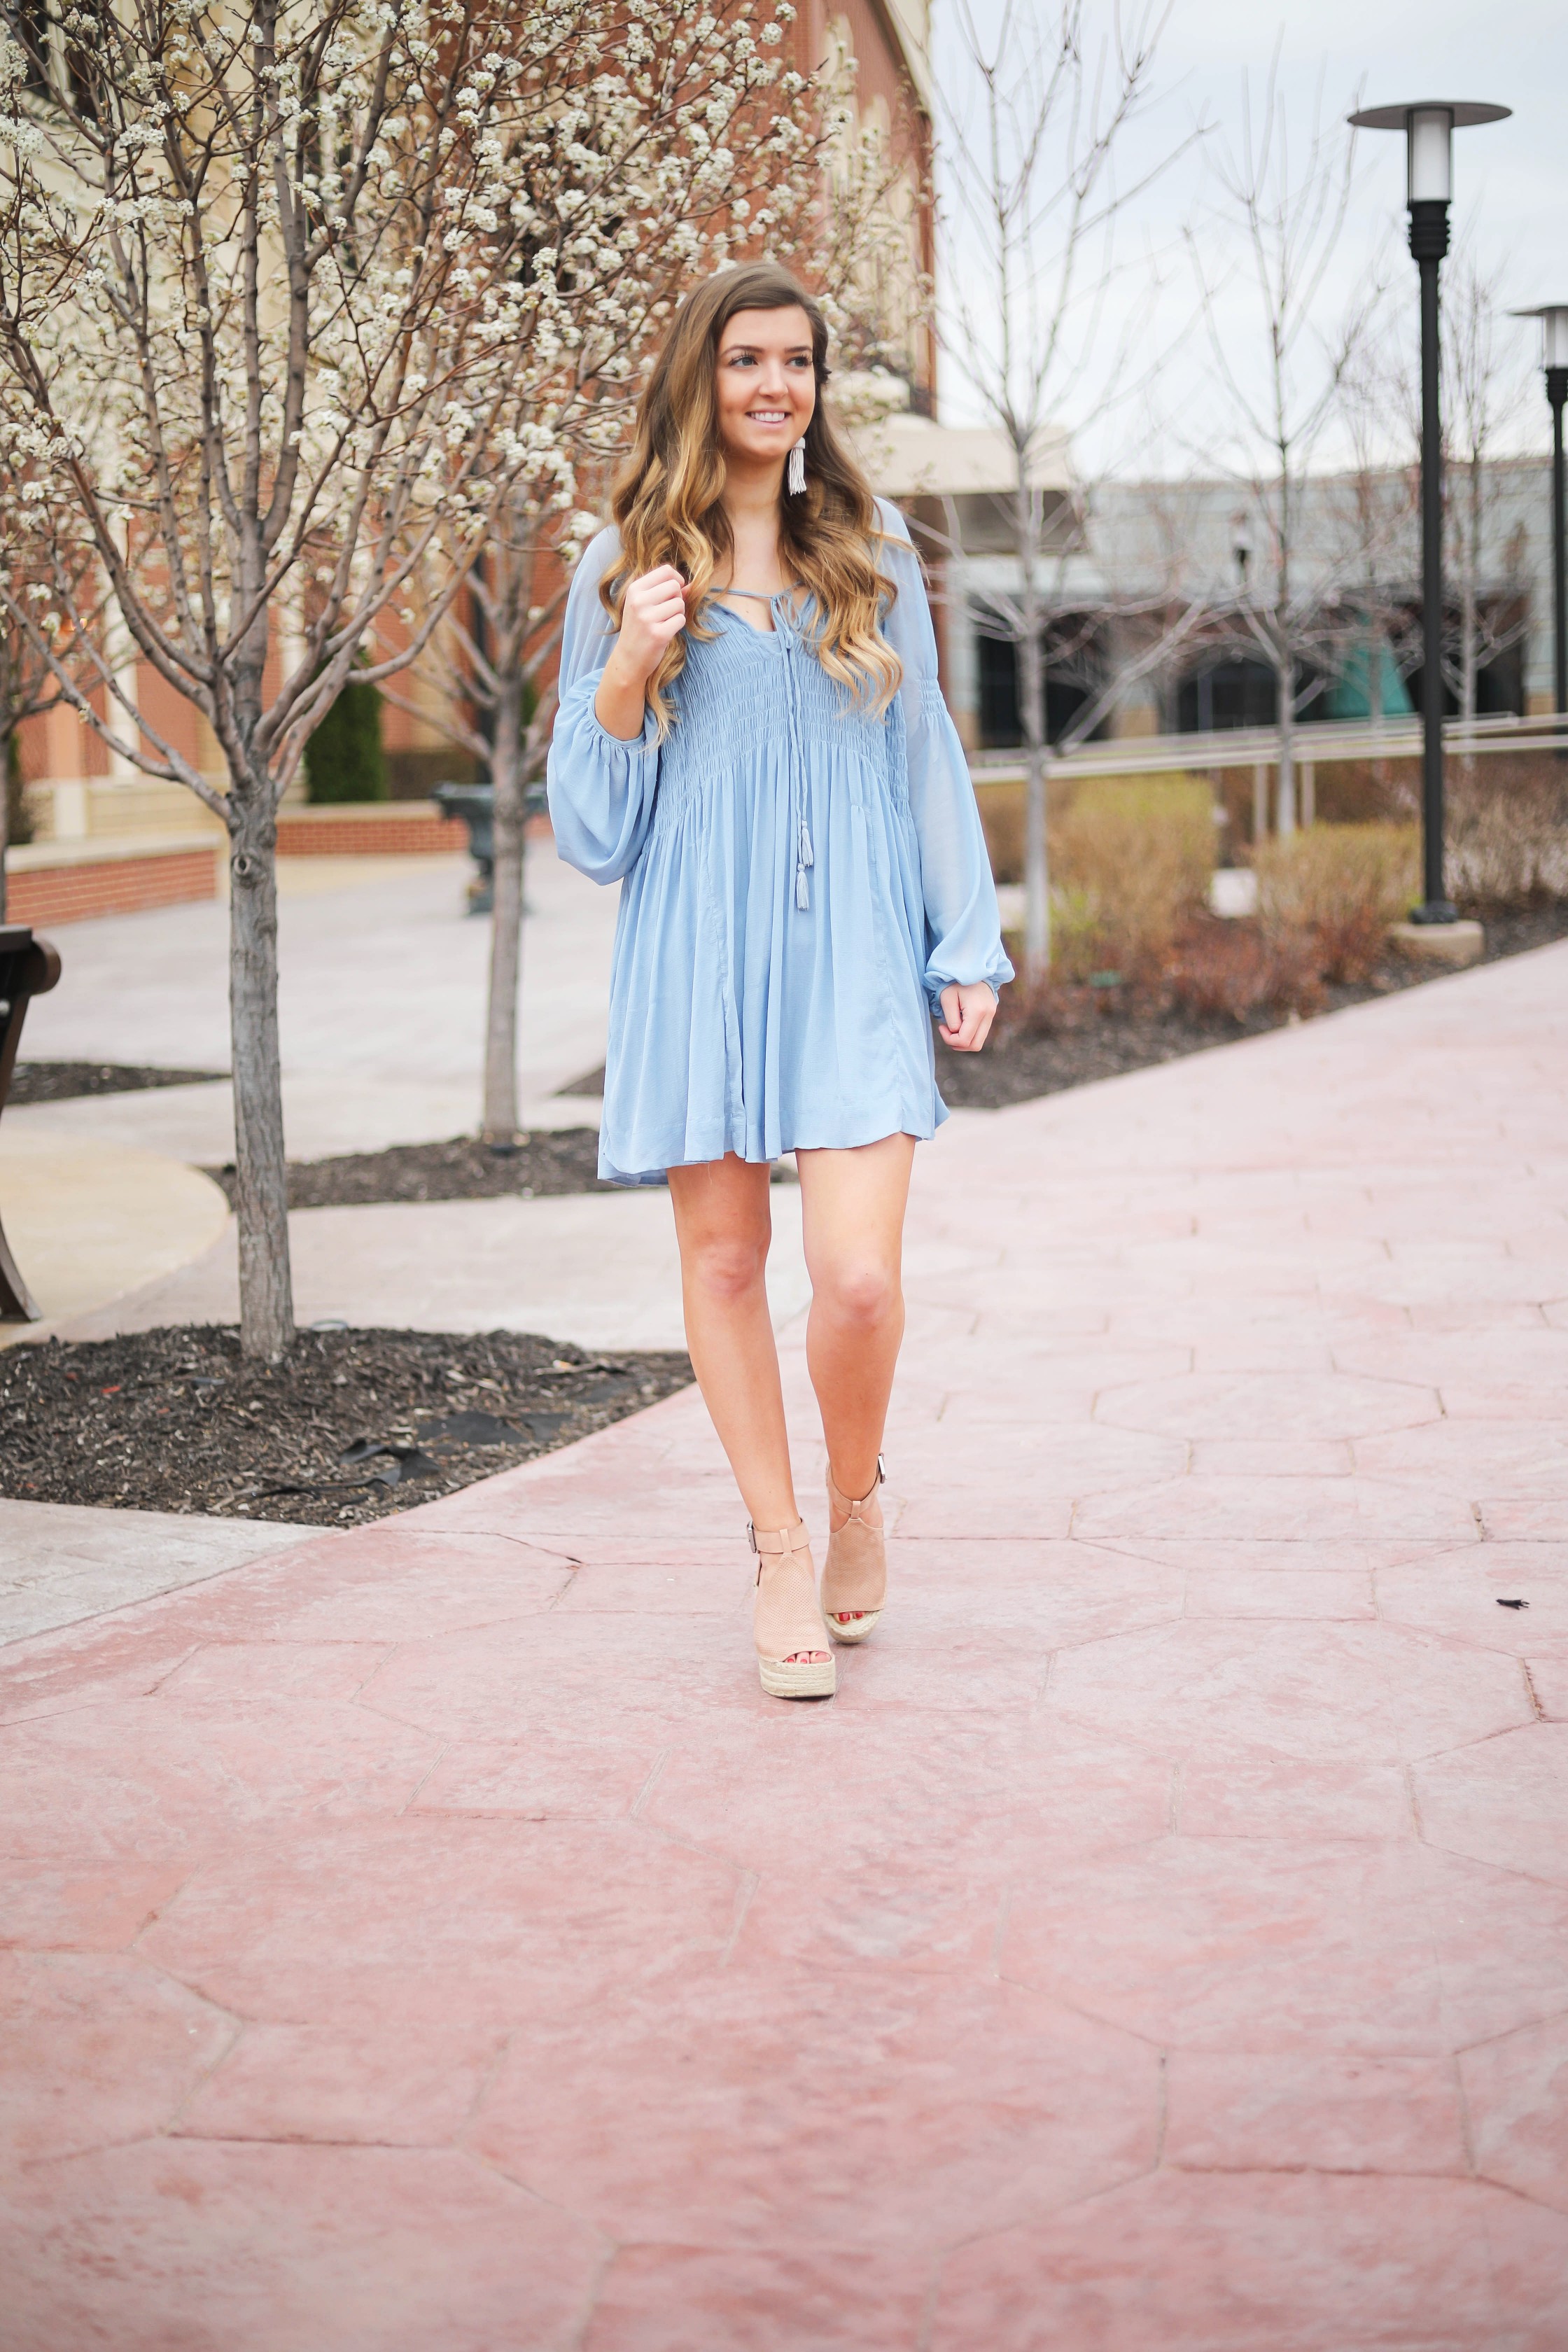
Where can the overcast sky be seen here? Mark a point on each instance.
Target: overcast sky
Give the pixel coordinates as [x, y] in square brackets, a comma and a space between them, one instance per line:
[1510, 191]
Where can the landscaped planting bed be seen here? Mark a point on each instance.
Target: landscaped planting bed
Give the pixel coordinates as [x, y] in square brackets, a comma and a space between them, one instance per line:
[549, 1160]
[353, 1425]
[38, 1082]
[1077, 1034]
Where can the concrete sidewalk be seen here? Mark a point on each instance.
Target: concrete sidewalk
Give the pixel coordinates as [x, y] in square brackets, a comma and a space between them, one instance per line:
[428, 1937]
[381, 1009]
[88, 1221]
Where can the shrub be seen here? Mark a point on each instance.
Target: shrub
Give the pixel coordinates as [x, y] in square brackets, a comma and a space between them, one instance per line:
[1080, 944]
[1139, 852]
[1506, 831]
[1337, 886]
[1226, 969]
[344, 759]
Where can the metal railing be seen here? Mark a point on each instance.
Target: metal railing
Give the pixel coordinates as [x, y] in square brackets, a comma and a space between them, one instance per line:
[1315, 743]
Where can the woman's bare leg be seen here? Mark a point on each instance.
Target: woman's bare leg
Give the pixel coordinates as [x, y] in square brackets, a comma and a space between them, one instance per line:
[724, 1223]
[853, 1204]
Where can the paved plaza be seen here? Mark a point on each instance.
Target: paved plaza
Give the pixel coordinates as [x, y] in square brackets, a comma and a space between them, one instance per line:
[427, 1939]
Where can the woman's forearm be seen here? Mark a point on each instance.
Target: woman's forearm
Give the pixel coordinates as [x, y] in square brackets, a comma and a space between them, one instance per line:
[622, 699]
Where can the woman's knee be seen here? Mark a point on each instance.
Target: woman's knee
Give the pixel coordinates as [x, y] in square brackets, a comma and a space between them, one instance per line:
[726, 1266]
[860, 1291]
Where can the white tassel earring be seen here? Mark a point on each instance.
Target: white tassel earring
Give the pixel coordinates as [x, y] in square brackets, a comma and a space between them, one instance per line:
[794, 474]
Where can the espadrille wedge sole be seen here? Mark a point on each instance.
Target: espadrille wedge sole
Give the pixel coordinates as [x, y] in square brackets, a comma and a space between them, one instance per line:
[855, 1579]
[788, 1622]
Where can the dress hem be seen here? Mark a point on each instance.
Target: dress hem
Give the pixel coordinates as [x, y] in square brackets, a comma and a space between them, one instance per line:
[656, 1175]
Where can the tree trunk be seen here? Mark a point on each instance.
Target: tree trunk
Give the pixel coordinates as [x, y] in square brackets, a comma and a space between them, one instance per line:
[1469, 609]
[265, 1293]
[1037, 854]
[6, 739]
[1285, 801]
[505, 921]
[1032, 717]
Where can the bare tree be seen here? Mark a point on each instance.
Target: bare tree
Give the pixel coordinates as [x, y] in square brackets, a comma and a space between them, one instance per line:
[1039, 102]
[1483, 398]
[290, 291]
[1283, 220]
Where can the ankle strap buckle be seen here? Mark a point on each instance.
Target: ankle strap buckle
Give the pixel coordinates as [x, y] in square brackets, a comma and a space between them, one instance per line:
[751, 1538]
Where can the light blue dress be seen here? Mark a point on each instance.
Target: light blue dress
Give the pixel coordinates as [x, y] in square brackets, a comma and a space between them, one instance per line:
[800, 880]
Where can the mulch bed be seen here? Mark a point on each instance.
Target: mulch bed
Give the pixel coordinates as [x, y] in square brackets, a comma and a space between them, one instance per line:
[42, 1082]
[549, 1160]
[351, 1426]
[1101, 1037]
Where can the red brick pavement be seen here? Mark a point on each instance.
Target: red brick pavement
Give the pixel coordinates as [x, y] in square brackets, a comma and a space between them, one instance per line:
[429, 1940]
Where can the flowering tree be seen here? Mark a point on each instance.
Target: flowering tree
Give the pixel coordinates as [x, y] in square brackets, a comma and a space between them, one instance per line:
[42, 548]
[791, 171]
[294, 296]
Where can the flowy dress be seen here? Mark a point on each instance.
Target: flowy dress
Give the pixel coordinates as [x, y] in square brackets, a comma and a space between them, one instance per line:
[801, 877]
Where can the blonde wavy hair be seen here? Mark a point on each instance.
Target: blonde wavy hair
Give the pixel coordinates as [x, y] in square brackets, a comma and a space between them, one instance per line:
[668, 502]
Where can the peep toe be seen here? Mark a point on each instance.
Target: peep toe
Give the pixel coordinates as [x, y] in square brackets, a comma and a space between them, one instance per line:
[854, 1581]
[788, 1623]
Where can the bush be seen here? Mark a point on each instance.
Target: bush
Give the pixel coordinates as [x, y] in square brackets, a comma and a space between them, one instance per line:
[344, 759]
[1227, 970]
[1506, 831]
[1337, 887]
[1081, 945]
[1141, 855]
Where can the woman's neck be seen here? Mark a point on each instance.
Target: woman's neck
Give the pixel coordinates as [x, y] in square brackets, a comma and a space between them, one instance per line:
[752, 505]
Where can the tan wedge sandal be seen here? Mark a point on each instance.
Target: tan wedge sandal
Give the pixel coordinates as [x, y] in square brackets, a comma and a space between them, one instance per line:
[854, 1581]
[788, 1623]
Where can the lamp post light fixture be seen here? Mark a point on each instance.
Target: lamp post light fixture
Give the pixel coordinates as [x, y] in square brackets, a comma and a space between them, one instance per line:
[1241, 549]
[1553, 317]
[1428, 125]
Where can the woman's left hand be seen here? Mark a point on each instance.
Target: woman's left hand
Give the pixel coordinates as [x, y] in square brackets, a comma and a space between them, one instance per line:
[967, 1013]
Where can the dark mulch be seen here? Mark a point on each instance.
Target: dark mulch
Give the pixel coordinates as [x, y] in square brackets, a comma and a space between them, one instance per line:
[1100, 1034]
[38, 1082]
[350, 1426]
[560, 1159]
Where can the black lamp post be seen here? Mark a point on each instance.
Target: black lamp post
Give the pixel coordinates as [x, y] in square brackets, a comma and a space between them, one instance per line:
[1553, 317]
[1429, 125]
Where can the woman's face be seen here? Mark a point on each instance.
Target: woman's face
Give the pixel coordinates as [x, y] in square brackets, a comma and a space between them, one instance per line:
[766, 385]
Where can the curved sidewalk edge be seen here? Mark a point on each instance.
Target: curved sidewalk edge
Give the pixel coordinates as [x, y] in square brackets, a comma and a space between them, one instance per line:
[89, 1222]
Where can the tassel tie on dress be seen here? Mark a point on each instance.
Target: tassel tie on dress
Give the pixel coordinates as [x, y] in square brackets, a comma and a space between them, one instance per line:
[786, 622]
[787, 628]
[804, 859]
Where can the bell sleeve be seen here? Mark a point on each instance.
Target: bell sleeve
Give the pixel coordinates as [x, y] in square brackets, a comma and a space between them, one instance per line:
[601, 788]
[963, 930]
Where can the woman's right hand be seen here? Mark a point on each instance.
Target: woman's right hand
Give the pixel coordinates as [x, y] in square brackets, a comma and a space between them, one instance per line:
[653, 610]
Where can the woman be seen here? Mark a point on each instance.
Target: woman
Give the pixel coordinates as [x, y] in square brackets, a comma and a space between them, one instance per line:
[751, 735]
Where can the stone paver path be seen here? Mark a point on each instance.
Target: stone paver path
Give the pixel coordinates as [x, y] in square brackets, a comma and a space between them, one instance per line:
[427, 1939]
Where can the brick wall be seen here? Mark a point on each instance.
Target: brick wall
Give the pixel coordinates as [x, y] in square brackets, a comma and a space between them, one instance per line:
[110, 886]
[382, 829]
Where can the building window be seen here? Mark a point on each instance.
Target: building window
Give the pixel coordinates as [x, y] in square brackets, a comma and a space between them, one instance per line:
[1235, 692]
[1072, 678]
